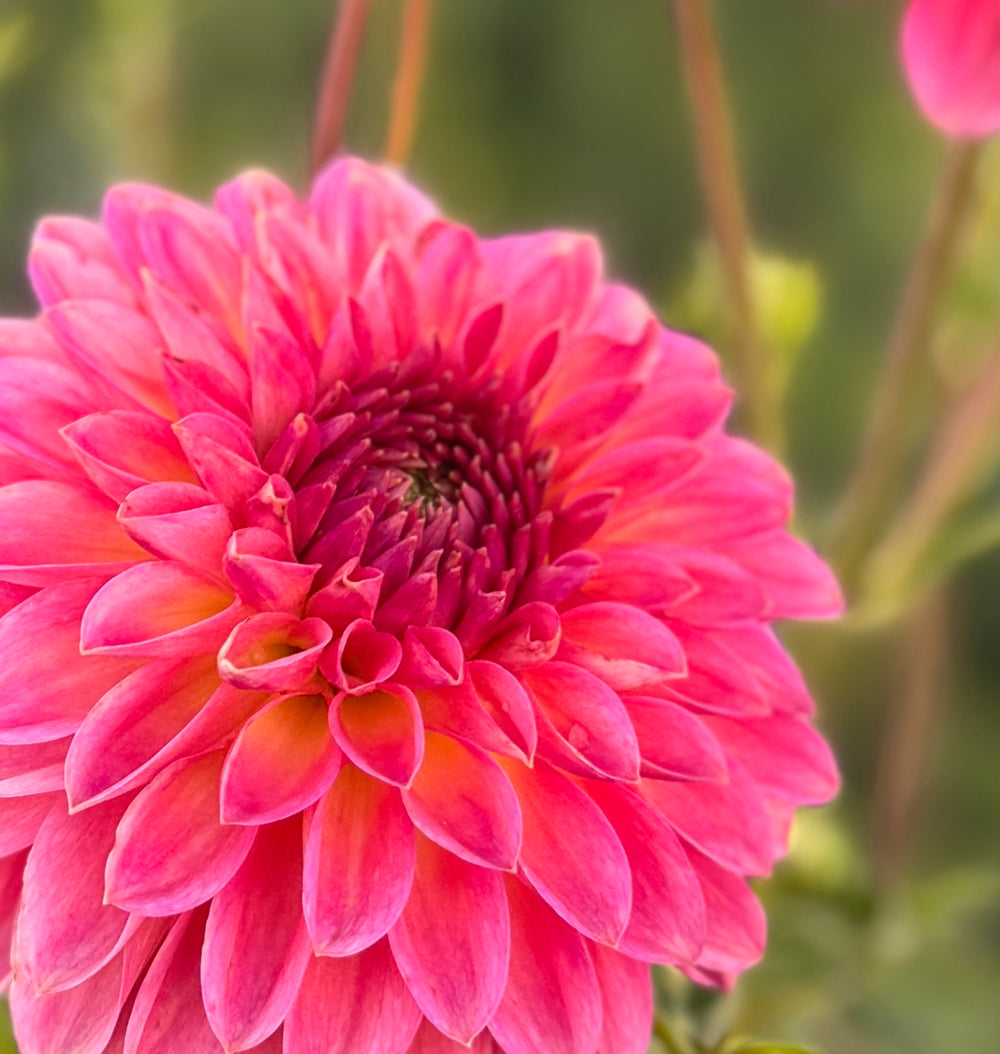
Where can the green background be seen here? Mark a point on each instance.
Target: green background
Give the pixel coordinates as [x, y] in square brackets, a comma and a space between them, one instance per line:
[572, 112]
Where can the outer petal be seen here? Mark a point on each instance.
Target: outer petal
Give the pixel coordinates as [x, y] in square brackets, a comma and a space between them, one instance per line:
[357, 1004]
[626, 1000]
[46, 690]
[552, 1001]
[381, 732]
[571, 853]
[256, 923]
[171, 852]
[65, 932]
[452, 941]
[359, 862]
[282, 761]
[461, 799]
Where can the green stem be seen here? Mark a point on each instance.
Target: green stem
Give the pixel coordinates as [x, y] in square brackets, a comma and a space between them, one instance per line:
[878, 466]
[720, 180]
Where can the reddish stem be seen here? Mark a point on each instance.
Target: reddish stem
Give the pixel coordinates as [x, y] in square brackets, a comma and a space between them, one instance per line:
[409, 77]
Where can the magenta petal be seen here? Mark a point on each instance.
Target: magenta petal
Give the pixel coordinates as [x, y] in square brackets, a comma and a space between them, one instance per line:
[735, 925]
[256, 923]
[362, 658]
[621, 644]
[381, 732]
[266, 583]
[50, 532]
[626, 1001]
[32, 768]
[282, 761]
[168, 1015]
[429, 1041]
[158, 609]
[552, 1000]
[357, 1004]
[667, 921]
[171, 852]
[571, 853]
[588, 715]
[21, 818]
[452, 941]
[46, 690]
[274, 652]
[727, 821]
[462, 800]
[65, 932]
[431, 657]
[359, 829]
[121, 450]
[674, 742]
[178, 521]
[134, 724]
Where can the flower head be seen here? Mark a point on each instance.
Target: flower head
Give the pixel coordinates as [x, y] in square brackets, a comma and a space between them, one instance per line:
[951, 51]
[386, 658]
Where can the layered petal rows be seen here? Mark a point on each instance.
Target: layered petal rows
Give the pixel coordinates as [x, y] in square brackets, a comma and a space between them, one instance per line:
[385, 654]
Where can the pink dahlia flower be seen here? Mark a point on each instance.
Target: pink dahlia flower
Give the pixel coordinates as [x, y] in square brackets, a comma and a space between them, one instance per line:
[951, 50]
[385, 662]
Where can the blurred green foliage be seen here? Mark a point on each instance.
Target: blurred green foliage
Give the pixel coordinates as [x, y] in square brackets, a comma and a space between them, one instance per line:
[571, 112]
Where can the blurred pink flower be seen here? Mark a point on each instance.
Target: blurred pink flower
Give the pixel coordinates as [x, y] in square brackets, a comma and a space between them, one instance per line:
[951, 50]
[386, 658]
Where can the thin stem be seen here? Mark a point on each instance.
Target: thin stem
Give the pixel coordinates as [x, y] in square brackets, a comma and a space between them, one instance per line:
[720, 180]
[409, 77]
[885, 444]
[906, 738]
[338, 75]
[967, 433]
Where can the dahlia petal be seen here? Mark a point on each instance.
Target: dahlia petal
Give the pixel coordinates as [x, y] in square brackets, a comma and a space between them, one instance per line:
[461, 799]
[171, 853]
[722, 591]
[777, 679]
[667, 921]
[529, 636]
[37, 398]
[71, 257]
[382, 732]
[51, 531]
[265, 583]
[11, 871]
[178, 521]
[132, 724]
[726, 821]
[446, 278]
[641, 470]
[429, 1041]
[28, 338]
[643, 575]
[283, 760]
[120, 451]
[552, 1000]
[274, 652]
[582, 422]
[32, 768]
[356, 1004]
[571, 854]
[233, 476]
[674, 742]
[716, 679]
[587, 716]
[47, 690]
[360, 207]
[784, 755]
[795, 580]
[452, 941]
[21, 818]
[117, 349]
[432, 657]
[352, 593]
[735, 925]
[158, 609]
[82, 1019]
[256, 922]
[358, 830]
[65, 932]
[168, 1014]
[362, 658]
[282, 383]
[196, 387]
[949, 51]
[626, 1002]
[623, 645]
